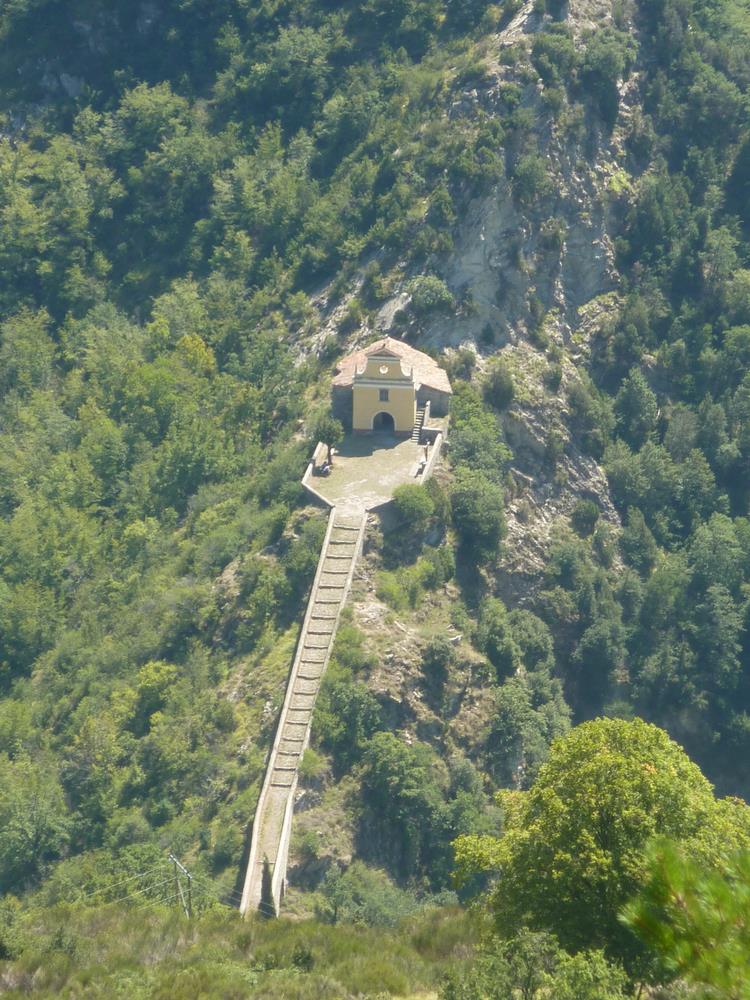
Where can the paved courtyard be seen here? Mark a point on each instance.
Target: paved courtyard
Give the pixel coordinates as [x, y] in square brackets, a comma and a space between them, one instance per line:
[366, 470]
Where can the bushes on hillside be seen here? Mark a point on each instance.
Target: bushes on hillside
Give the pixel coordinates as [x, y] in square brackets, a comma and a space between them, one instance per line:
[478, 512]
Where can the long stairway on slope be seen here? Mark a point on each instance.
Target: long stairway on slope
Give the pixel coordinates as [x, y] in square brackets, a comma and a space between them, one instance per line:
[273, 816]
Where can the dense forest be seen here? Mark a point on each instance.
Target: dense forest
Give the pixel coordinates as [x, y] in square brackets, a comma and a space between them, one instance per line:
[202, 206]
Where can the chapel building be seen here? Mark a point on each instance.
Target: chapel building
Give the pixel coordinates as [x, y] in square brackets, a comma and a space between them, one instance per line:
[388, 386]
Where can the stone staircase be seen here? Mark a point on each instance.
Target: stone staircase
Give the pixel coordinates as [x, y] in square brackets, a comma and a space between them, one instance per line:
[273, 816]
[416, 434]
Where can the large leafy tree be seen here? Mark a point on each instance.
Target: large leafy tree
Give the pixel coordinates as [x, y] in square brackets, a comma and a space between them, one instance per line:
[573, 849]
[33, 819]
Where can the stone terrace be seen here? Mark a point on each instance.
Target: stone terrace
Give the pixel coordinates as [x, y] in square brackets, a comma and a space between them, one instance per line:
[366, 470]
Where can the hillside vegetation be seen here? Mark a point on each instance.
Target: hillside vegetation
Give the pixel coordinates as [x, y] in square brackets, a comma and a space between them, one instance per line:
[202, 205]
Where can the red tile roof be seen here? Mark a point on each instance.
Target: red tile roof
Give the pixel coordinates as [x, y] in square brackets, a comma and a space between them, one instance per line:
[426, 371]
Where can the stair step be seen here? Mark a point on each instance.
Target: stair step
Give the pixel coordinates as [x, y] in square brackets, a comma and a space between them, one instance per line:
[313, 654]
[316, 642]
[320, 631]
[304, 706]
[313, 657]
[303, 686]
[301, 715]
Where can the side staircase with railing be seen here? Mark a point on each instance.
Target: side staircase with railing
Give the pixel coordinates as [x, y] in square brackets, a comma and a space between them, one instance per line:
[269, 848]
[416, 434]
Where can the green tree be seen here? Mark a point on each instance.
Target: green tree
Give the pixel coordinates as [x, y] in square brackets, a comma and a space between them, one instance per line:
[636, 409]
[526, 719]
[328, 430]
[347, 715]
[494, 637]
[638, 545]
[478, 512]
[414, 506]
[584, 516]
[89, 777]
[531, 180]
[532, 966]
[430, 294]
[498, 385]
[27, 352]
[554, 56]
[438, 659]
[573, 850]
[33, 819]
[697, 919]
[605, 61]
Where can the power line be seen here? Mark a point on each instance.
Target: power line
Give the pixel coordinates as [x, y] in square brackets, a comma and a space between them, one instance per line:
[215, 893]
[140, 892]
[216, 888]
[232, 894]
[151, 904]
[115, 885]
[205, 885]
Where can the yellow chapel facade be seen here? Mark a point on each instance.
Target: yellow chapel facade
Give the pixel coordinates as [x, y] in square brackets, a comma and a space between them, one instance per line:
[385, 386]
[384, 396]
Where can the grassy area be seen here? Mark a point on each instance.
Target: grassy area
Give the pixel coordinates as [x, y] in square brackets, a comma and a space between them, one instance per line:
[137, 953]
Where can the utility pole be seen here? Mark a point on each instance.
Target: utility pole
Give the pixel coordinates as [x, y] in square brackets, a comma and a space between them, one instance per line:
[187, 904]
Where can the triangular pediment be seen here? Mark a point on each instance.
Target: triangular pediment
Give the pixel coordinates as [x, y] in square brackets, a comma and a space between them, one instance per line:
[381, 351]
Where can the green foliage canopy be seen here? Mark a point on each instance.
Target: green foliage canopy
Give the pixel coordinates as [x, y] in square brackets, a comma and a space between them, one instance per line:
[573, 851]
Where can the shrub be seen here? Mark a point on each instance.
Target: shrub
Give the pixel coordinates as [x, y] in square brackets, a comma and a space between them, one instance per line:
[389, 590]
[584, 517]
[312, 765]
[498, 385]
[352, 317]
[414, 506]
[362, 895]
[437, 566]
[531, 181]
[461, 364]
[430, 294]
[438, 658]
